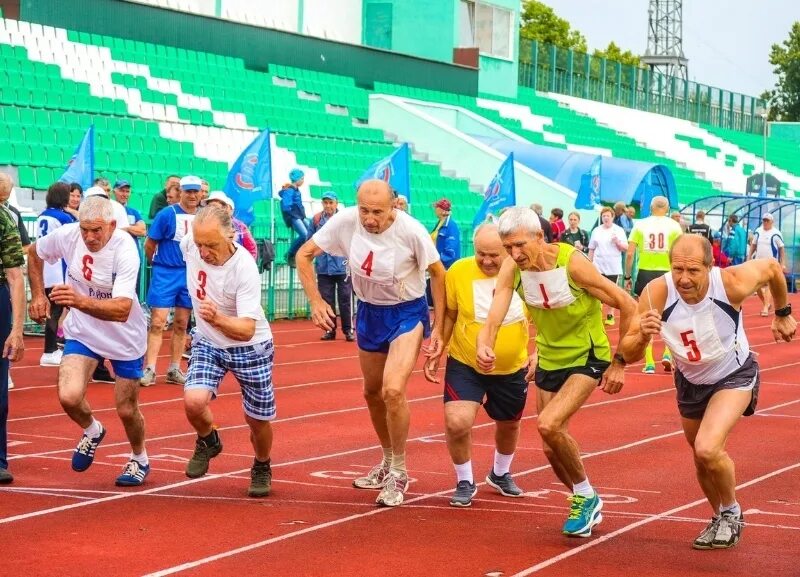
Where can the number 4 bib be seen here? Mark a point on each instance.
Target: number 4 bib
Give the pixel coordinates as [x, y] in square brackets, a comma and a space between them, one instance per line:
[371, 261]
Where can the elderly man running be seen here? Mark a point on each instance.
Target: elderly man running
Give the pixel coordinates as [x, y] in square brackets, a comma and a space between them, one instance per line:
[469, 286]
[388, 253]
[697, 309]
[564, 293]
[105, 322]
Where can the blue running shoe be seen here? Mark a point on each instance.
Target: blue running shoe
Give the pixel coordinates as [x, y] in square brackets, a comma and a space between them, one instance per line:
[584, 513]
[84, 453]
[133, 474]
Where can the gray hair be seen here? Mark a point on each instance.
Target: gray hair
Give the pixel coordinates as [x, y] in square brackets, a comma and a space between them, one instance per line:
[487, 224]
[516, 218]
[96, 208]
[537, 208]
[220, 215]
[660, 203]
[101, 182]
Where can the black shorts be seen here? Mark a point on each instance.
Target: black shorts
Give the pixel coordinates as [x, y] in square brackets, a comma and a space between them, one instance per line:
[693, 399]
[552, 381]
[644, 277]
[505, 394]
[612, 277]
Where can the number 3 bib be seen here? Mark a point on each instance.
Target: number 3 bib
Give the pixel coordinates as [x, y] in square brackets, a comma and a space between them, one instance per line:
[371, 261]
[547, 289]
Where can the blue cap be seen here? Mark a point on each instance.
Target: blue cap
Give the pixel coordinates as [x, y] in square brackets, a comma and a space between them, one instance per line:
[717, 234]
[295, 175]
[329, 194]
[122, 184]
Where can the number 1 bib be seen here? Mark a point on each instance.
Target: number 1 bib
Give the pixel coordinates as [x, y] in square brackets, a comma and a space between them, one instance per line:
[547, 289]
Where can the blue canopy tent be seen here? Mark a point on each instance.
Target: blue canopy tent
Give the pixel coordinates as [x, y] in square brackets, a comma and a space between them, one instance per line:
[629, 181]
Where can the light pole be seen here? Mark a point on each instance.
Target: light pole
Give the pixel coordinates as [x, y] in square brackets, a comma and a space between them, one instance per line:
[765, 116]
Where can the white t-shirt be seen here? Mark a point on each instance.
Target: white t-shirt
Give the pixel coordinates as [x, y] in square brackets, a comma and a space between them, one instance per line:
[767, 242]
[112, 272]
[235, 287]
[387, 268]
[607, 257]
[49, 221]
[120, 214]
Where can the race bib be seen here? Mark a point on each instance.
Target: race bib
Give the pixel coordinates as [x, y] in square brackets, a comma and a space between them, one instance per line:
[695, 340]
[371, 261]
[482, 295]
[183, 223]
[92, 274]
[547, 289]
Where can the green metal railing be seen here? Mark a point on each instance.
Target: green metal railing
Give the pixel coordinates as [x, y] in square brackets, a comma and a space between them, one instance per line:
[548, 68]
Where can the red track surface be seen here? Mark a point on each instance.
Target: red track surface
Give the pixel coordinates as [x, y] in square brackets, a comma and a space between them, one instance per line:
[314, 523]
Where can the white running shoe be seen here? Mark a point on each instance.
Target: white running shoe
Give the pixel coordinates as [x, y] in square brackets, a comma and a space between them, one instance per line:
[51, 359]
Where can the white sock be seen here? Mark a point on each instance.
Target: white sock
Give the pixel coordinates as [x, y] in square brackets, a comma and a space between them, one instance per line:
[502, 463]
[387, 456]
[141, 458]
[584, 488]
[175, 366]
[464, 472]
[398, 463]
[735, 509]
[94, 429]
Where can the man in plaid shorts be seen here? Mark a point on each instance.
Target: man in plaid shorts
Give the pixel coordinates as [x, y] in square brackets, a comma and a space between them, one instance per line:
[232, 335]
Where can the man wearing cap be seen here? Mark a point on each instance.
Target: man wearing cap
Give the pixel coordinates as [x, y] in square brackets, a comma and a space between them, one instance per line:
[294, 213]
[445, 234]
[333, 281]
[767, 243]
[734, 240]
[135, 224]
[161, 199]
[242, 234]
[168, 281]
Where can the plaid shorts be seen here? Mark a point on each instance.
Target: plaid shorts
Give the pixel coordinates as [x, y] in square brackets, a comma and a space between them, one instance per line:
[251, 365]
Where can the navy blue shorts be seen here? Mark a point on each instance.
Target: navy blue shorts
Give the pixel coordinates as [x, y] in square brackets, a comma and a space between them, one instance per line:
[168, 288]
[378, 325]
[505, 394]
[125, 369]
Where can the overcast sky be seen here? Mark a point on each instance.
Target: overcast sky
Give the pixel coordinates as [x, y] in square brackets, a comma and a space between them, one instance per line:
[727, 42]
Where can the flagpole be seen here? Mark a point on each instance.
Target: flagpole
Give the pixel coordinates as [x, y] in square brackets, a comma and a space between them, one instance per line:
[91, 151]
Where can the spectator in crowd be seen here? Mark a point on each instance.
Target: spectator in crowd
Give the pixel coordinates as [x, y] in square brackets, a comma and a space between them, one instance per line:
[445, 234]
[241, 234]
[699, 226]
[401, 202]
[631, 212]
[294, 213]
[720, 258]
[204, 191]
[168, 281]
[52, 218]
[575, 235]
[621, 217]
[102, 182]
[767, 244]
[135, 224]
[734, 240]
[75, 197]
[545, 224]
[557, 223]
[677, 217]
[161, 199]
[333, 281]
[606, 247]
[12, 313]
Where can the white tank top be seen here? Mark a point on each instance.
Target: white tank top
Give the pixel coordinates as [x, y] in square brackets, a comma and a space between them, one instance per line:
[707, 339]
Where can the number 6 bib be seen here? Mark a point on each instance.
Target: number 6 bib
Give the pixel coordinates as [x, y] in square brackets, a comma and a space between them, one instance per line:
[371, 261]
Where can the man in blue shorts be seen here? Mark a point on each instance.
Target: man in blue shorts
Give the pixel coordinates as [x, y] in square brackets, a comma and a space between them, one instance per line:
[168, 280]
[105, 321]
[388, 252]
[232, 335]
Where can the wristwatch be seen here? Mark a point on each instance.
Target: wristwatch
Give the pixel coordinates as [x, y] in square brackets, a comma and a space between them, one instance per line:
[784, 312]
[627, 278]
[620, 359]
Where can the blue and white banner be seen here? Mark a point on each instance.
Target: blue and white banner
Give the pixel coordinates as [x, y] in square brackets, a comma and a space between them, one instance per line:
[394, 169]
[250, 178]
[500, 193]
[589, 194]
[80, 168]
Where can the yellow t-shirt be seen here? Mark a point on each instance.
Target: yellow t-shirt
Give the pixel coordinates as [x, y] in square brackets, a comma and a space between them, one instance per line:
[470, 292]
[654, 236]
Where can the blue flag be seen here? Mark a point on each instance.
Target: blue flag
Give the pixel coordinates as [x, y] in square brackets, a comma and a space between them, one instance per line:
[589, 193]
[80, 168]
[393, 169]
[500, 193]
[250, 178]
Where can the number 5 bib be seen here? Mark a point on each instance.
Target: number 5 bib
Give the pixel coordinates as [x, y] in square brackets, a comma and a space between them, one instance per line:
[695, 339]
[371, 261]
[547, 289]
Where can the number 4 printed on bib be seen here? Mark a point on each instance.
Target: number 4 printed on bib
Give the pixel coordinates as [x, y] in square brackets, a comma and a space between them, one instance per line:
[688, 340]
[366, 266]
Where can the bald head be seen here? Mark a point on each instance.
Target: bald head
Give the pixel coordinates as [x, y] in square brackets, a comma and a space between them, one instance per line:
[489, 251]
[659, 206]
[375, 206]
[693, 246]
[375, 190]
[5, 186]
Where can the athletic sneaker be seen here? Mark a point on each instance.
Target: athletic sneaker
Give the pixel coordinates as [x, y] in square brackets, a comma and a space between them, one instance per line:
[260, 480]
[504, 484]
[375, 479]
[666, 362]
[84, 453]
[51, 359]
[609, 320]
[465, 491]
[102, 375]
[393, 491]
[706, 538]
[5, 476]
[175, 376]
[349, 336]
[584, 513]
[133, 474]
[148, 378]
[649, 370]
[203, 453]
[729, 530]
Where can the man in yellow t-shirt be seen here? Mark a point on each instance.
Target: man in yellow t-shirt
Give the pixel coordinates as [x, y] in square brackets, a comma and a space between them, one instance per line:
[469, 286]
[653, 238]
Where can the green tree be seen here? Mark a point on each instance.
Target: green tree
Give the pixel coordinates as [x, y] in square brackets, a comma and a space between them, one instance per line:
[539, 22]
[615, 54]
[785, 58]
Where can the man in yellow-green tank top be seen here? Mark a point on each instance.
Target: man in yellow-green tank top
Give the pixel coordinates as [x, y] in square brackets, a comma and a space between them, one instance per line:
[564, 293]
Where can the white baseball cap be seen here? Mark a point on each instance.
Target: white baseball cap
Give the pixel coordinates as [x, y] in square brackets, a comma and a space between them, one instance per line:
[220, 196]
[191, 183]
[767, 216]
[94, 191]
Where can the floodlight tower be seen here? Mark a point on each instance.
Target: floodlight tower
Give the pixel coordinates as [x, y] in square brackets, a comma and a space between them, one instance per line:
[665, 39]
